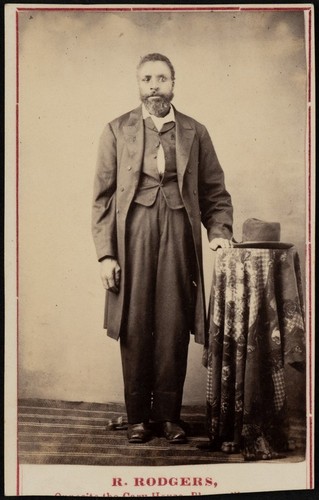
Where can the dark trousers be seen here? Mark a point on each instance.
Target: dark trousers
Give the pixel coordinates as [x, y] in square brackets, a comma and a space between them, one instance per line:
[158, 311]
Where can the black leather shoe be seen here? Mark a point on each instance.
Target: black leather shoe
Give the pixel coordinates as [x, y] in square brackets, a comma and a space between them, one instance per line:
[138, 433]
[174, 433]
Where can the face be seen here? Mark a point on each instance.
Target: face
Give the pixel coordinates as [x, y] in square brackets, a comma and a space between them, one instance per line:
[156, 87]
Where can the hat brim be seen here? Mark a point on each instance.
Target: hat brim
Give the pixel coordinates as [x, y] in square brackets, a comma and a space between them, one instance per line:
[263, 244]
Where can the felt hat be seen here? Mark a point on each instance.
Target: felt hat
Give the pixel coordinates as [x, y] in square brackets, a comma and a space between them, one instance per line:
[261, 234]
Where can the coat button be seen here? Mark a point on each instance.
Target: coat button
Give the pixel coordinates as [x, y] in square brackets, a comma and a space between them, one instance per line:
[129, 167]
[195, 192]
[189, 170]
[122, 189]
[117, 211]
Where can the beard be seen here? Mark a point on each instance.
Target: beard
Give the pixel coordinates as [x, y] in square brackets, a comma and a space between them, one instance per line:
[157, 105]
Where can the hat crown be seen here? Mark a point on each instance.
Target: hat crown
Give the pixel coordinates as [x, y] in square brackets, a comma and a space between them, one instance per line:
[258, 230]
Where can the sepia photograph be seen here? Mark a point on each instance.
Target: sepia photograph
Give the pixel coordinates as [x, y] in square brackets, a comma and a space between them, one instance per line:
[159, 249]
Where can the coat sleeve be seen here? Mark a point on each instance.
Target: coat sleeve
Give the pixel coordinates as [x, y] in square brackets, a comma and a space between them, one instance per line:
[104, 199]
[214, 200]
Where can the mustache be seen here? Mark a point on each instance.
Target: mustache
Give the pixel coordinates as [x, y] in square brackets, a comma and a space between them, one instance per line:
[153, 94]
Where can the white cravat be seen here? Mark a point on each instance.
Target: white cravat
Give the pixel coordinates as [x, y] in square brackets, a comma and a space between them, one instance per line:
[159, 121]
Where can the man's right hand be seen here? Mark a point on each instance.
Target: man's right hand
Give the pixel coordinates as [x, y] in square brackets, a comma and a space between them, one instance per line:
[110, 273]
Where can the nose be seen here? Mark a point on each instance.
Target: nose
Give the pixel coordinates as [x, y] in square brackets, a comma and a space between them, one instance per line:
[154, 84]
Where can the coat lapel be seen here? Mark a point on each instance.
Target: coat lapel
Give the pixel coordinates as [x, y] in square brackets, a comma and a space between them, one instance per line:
[134, 137]
[185, 134]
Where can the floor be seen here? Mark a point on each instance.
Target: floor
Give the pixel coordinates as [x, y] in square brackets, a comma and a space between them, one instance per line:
[59, 432]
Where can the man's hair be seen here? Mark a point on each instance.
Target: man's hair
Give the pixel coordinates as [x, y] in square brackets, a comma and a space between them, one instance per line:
[157, 57]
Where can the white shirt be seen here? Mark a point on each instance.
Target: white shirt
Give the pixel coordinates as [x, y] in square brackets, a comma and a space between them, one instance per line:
[159, 121]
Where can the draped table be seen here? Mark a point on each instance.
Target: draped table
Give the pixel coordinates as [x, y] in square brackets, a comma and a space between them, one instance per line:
[256, 328]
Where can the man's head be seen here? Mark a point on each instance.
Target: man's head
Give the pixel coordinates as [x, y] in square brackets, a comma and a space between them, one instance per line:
[156, 78]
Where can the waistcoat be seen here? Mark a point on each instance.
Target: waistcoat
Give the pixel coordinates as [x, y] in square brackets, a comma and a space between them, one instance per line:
[151, 181]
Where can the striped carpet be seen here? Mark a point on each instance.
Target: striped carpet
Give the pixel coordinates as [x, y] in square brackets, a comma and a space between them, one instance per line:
[59, 432]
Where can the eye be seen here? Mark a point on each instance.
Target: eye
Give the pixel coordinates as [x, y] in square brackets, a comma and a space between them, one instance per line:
[146, 79]
[162, 78]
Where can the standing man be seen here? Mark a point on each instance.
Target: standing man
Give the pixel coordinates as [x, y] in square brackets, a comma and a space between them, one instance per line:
[157, 179]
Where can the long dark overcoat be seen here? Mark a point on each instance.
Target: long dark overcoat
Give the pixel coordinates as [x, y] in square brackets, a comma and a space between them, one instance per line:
[201, 183]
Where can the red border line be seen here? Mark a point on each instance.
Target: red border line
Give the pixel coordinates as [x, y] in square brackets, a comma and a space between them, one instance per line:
[17, 228]
[309, 55]
[310, 297]
[310, 454]
[131, 9]
[309, 238]
[166, 9]
[179, 9]
[287, 9]
[310, 421]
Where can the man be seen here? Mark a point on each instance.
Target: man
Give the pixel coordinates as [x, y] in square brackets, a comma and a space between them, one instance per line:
[157, 179]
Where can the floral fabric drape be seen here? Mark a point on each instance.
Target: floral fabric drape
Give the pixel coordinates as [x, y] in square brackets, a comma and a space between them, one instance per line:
[256, 327]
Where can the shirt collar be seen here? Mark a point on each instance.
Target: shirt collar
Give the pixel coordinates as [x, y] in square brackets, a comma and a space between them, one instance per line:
[159, 120]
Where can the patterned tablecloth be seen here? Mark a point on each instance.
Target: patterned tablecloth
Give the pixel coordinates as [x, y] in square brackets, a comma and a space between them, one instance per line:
[256, 328]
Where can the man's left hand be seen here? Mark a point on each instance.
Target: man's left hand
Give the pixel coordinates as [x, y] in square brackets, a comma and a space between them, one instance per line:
[220, 243]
